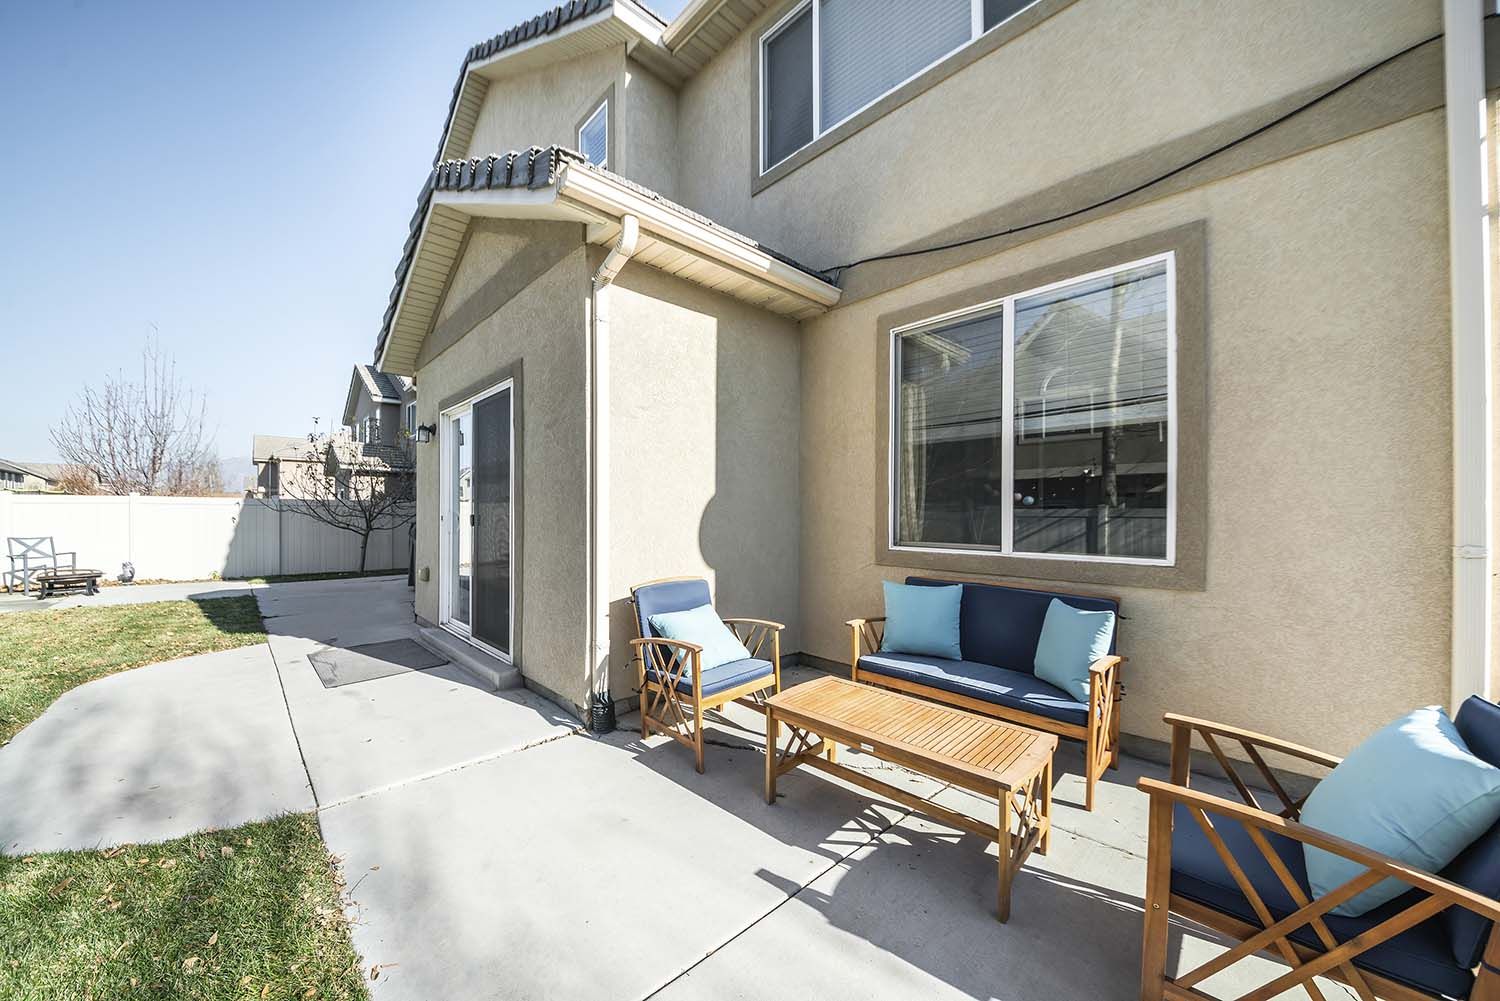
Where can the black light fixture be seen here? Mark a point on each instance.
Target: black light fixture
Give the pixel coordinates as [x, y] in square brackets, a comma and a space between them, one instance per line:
[425, 433]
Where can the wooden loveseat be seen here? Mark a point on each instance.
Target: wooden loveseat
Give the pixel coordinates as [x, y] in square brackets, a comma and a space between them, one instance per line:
[999, 627]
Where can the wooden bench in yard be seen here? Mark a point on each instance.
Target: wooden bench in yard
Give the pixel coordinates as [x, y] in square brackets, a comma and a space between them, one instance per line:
[1000, 760]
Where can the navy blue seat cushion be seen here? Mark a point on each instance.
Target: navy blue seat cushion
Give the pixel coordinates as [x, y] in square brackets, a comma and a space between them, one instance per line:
[1420, 957]
[725, 676]
[1001, 625]
[1477, 866]
[668, 596]
[996, 685]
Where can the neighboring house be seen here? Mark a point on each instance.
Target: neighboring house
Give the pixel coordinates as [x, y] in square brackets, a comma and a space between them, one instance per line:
[388, 462]
[29, 477]
[1039, 311]
[286, 465]
[379, 407]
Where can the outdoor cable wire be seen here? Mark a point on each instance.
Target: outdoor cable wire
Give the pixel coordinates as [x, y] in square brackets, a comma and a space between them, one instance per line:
[836, 272]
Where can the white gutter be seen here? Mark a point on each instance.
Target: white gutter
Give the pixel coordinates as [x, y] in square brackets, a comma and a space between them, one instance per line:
[598, 464]
[1468, 268]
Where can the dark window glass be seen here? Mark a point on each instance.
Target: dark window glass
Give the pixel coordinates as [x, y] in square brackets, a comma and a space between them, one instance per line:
[789, 89]
[949, 430]
[1091, 417]
[996, 11]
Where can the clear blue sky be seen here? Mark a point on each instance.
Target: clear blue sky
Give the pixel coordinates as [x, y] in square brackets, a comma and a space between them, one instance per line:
[239, 175]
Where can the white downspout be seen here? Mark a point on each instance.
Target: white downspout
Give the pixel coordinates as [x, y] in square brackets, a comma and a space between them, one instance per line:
[598, 464]
[1468, 265]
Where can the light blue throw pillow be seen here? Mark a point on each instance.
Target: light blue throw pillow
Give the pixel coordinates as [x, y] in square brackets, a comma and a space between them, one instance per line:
[1072, 639]
[702, 625]
[1412, 791]
[922, 620]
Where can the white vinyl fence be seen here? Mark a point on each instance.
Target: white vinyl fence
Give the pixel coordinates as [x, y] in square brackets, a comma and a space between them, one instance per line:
[193, 538]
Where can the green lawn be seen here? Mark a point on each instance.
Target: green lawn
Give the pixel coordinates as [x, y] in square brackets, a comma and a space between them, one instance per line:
[252, 913]
[49, 652]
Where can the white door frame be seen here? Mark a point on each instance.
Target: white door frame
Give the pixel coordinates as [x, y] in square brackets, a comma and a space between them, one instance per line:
[446, 552]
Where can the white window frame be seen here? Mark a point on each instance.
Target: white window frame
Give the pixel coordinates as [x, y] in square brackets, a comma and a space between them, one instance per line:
[976, 31]
[411, 418]
[603, 109]
[1006, 306]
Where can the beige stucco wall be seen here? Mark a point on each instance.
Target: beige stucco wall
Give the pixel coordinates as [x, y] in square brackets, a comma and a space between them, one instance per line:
[648, 131]
[539, 336]
[1326, 611]
[704, 420]
[544, 107]
[1050, 104]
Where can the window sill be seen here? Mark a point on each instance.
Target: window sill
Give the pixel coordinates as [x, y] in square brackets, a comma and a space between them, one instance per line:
[1186, 574]
[927, 79]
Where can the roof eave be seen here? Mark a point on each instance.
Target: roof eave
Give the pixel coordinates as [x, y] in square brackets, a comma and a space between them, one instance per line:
[719, 260]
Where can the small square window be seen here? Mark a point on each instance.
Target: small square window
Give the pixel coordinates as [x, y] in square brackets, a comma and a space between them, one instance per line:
[593, 136]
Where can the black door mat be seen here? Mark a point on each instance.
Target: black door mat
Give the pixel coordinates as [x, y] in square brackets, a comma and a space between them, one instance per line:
[338, 666]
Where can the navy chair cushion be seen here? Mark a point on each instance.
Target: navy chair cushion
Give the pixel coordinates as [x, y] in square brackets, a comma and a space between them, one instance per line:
[726, 676]
[668, 596]
[1001, 625]
[1477, 866]
[1420, 957]
[995, 685]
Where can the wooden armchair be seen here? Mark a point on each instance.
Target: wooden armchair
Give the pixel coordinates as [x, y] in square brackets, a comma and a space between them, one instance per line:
[1237, 867]
[675, 689]
[33, 554]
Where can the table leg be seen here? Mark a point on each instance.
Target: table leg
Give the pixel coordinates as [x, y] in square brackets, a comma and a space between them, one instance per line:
[773, 734]
[1007, 849]
[1046, 838]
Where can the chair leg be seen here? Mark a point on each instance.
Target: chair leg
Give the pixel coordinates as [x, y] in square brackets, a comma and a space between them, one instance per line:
[698, 734]
[1090, 766]
[1158, 902]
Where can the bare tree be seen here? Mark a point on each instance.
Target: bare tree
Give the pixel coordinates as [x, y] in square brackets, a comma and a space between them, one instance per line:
[143, 437]
[77, 480]
[355, 486]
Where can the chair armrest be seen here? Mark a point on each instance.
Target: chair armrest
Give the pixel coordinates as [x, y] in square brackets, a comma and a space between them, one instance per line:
[1106, 664]
[1251, 738]
[855, 623]
[1378, 862]
[684, 645]
[753, 622]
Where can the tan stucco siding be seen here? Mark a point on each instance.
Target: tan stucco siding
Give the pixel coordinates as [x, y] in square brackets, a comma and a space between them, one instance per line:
[1327, 605]
[648, 118]
[543, 107]
[1055, 101]
[704, 420]
[537, 336]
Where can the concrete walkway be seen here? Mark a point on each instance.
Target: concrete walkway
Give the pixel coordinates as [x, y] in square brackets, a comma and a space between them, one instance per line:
[494, 851]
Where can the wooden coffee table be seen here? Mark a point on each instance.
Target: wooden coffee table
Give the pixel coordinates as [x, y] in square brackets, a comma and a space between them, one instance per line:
[1001, 760]
[66, 579]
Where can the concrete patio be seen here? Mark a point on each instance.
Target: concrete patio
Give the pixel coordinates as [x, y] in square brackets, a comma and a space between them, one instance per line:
[494, 850]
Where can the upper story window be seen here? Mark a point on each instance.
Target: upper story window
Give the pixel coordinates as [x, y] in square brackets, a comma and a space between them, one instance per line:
[411, 418]
[593, 136]
[1041, 425]
[827, 60]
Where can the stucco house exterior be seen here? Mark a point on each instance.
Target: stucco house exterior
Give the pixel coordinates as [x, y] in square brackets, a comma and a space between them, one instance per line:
[29, 477]
[379, 407]
[1144, 299]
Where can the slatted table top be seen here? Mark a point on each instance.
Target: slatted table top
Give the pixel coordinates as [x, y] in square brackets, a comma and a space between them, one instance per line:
[975, 750]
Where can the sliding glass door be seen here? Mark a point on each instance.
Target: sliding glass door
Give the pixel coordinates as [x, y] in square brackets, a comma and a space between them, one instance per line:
[478, 479]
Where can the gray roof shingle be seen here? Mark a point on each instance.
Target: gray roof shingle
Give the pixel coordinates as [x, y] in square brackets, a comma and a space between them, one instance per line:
[382, 387]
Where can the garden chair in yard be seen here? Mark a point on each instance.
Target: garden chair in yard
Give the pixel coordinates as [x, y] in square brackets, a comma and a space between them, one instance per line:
[690, 660]
[30, 555]
[1244, 869]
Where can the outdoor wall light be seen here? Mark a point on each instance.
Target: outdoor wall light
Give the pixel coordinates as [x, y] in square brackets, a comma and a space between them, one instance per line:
[425, 433]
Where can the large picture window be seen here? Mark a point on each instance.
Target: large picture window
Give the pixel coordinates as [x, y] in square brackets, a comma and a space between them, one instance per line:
[1042, 424]
[827, 60]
